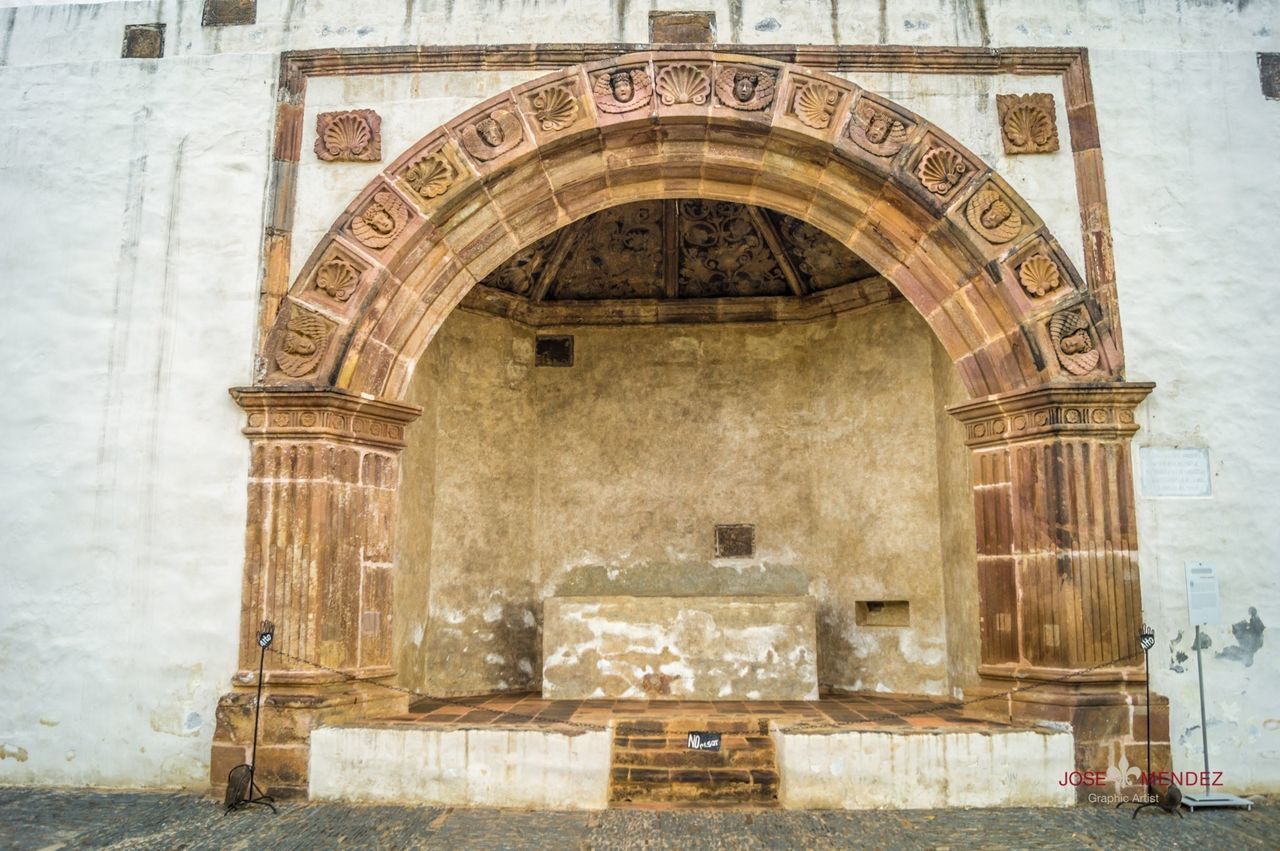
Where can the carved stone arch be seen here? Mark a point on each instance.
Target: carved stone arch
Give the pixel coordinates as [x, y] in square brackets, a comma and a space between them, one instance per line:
[961, 245]
[1049, 424]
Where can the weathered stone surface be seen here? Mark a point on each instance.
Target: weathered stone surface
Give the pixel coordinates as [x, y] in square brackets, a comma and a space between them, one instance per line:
[693, 648]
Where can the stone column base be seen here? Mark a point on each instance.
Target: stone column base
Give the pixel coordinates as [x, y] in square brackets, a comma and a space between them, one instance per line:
[1109, 721]
[289, 714]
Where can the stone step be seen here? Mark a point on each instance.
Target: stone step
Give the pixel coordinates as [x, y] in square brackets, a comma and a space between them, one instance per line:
[652, 765]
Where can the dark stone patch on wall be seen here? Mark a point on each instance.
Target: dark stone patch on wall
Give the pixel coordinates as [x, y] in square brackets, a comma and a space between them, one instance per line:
[735, 540]
[143, 41]
[228, 13]
[1248, 633]
[682, 27]
[553, 351]
[1269, 73]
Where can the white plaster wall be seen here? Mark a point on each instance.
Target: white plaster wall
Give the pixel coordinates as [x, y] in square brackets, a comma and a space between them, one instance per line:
[129, 240]
[477, 768]
[864, 770]
[130, 228]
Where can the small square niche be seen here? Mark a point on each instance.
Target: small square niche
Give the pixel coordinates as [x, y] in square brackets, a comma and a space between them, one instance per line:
[882, 613]
[735, 540]
[682, 27]
[143, 41]
[553, 351]
[229, 13]
[1269, 75]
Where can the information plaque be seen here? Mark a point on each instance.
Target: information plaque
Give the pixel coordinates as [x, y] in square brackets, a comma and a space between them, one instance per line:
[1202, 594]
[1169, 471]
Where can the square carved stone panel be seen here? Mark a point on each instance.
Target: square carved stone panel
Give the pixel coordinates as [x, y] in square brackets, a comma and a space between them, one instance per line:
[735, 540]
[228, 13]
[682, 27]
[143, 41]
[1028, 123]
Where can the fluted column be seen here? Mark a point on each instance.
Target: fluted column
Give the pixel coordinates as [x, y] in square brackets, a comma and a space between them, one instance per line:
[1060, 603]
[323, 481]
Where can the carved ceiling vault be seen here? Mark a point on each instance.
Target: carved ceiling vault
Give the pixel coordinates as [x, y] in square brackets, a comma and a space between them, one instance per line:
[682, 260]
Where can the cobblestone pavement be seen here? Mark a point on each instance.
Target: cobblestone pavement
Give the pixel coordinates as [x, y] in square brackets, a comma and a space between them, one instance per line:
[48, 819]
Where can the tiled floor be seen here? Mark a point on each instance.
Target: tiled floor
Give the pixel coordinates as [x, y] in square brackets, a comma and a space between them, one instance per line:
[832, 711]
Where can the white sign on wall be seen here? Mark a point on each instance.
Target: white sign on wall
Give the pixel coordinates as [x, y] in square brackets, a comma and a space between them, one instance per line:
[1169, 471]
[1202, 593]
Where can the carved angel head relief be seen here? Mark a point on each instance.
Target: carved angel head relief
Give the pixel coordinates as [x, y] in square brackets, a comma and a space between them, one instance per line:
[303, 345]
[623, 91]
[877, 130]
[380, 222]
[492, 135]
[747, 89]
[993, 216]
[1072, 342]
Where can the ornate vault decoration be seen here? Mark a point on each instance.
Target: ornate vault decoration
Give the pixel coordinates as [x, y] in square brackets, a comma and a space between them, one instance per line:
[693, 255]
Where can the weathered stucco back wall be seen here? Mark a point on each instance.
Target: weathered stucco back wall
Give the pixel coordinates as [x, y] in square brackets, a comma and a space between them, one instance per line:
[823, 435]
[131, 233]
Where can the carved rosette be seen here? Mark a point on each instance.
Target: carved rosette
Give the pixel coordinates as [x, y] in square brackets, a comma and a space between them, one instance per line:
[993, 215]
[622, 90]
[745, 89]
[941, 169]
[431, 176]
[814, 103]
[683, 83]
[351, 136]
[877, 129]
[492, 135]
[306, 336]
[381, 221]
[1073, 342]
[1039, 275]
[1027, 123]
[555, 108]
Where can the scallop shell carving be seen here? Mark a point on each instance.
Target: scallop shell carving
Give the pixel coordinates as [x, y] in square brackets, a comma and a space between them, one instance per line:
[555, 108]
[940, 170]
[1027, 126]
[1039, 275]
[381, 221]
[1073, 343]
[430, 176]
[337, 278]
[683, 83]
[348, 136]
[815, 104]
[991, 215]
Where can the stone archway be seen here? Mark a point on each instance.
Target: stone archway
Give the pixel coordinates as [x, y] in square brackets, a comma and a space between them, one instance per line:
[1049, 426]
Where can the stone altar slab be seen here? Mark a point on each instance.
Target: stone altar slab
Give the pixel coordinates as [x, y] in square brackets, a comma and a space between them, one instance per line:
[680, 648]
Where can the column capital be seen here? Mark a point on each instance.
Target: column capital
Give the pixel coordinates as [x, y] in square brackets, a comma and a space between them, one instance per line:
[291, 413]
[1102, 411]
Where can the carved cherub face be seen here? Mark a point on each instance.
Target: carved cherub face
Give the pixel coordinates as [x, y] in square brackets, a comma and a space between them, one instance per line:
[490, 131]
[1077, 343]
[620, 85]
[744, 86]
[379, 219]
[995, 215]
[296, 343]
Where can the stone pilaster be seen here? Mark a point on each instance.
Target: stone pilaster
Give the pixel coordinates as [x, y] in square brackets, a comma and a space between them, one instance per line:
[1059, 597]
[323, 481]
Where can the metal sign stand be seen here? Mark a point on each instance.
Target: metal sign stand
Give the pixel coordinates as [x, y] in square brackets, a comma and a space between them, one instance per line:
[1202, 601]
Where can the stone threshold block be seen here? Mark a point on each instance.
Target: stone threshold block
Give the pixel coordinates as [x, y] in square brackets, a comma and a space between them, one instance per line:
[680, 648]
[904, 769]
